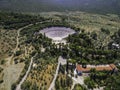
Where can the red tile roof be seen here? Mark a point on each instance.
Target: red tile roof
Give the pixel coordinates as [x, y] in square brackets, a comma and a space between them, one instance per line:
[97, 67]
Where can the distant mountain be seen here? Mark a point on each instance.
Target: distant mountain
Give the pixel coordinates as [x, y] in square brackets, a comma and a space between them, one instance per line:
[95, 6]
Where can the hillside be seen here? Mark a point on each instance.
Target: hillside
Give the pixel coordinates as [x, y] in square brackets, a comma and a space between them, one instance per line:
[29, 60]
[94, 6]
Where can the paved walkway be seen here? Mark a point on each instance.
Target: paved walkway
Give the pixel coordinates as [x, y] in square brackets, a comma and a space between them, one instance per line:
[55, 76]
[73, 85]
[78, 80]
[60, 61]
[101, 88]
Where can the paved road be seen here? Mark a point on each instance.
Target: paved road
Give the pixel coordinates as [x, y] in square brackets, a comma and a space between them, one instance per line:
[24, 78]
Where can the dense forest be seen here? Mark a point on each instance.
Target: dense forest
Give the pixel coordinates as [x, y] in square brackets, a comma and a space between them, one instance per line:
[15, 20]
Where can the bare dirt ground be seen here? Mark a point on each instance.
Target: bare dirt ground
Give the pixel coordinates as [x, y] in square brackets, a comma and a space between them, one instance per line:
[24, 78]
[11, 74]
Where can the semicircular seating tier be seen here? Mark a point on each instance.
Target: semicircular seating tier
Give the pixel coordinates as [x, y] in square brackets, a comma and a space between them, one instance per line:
[57, 33]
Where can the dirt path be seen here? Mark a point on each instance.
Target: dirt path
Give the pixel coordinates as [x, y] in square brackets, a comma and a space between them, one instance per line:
[12, 71]
[17, 42]
[14, 51]
[9, 59]
[24, 78]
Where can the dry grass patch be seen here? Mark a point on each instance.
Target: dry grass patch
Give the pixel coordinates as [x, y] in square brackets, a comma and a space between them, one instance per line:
[42, 77]
[7, 42]
[11, 75]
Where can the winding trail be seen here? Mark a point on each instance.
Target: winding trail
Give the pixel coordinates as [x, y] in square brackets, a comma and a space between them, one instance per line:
[9, 59]
[11, 70]
[24, 78]
[16, 47]
[17, 44]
